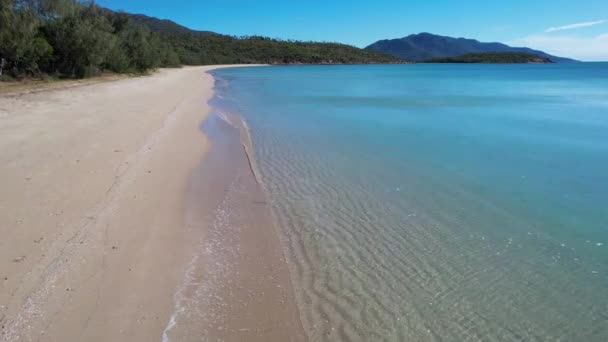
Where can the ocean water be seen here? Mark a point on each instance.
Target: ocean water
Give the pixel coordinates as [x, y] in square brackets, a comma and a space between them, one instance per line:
[436, 202]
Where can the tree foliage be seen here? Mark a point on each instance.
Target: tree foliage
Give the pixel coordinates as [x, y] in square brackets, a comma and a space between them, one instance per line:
[71, 38]
[20, 43]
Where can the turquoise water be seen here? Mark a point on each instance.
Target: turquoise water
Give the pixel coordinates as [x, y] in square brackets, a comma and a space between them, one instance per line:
[436, 202]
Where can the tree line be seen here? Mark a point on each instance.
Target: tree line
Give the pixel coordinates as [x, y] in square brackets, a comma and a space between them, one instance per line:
[492, 57]
[221, 49]
[70, 38]
[77, 39]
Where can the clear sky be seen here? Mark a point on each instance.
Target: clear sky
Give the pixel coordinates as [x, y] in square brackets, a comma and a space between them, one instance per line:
[569, 28]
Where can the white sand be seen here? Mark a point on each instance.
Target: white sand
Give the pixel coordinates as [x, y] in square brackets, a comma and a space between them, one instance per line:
[92, 184]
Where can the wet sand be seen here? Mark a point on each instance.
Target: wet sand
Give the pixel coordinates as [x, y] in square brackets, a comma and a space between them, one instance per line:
[237, 286]
[109, 207]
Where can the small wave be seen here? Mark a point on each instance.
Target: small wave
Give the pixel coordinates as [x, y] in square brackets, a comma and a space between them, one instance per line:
[207, 271]
[224, 117]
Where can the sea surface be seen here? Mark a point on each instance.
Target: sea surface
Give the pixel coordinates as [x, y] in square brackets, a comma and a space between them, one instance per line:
[436, 202]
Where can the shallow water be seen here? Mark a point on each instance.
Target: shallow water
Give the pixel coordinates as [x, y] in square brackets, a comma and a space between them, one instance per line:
[236, 285]
[436, 202]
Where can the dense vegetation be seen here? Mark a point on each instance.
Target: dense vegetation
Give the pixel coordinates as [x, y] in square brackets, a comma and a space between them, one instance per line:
[422, 46]
[205, 47]
[229, 50]
[69, 38]
[72, 38]
[492, 57]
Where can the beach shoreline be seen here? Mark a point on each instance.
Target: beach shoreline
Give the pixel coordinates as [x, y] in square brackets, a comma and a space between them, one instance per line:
[96, 211]
[238, 285]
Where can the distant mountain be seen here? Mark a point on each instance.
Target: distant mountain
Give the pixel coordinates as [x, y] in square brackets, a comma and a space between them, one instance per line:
[492, 57]
[422, 46]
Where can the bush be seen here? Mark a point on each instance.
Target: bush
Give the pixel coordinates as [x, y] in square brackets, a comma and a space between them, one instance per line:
[71, 38]
[18, 27]
[137, 43]
[81, 41]
[6, 78]
[117, 59]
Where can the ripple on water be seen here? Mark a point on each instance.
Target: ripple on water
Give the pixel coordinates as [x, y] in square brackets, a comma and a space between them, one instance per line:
[390, 237]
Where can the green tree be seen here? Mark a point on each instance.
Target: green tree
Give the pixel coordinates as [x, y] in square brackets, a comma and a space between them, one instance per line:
[18, 28]
[140, 48]
[81, 41]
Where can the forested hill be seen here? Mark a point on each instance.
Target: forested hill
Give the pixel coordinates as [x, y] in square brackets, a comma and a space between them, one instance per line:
[492, 57]
[194, 50]
[205, 47]
[72, 38]
[418, 47]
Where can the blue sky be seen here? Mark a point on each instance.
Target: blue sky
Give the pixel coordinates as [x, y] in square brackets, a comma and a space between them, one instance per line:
[568, 28]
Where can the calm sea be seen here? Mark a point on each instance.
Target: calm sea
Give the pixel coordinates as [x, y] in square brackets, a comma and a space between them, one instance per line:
[436, 202]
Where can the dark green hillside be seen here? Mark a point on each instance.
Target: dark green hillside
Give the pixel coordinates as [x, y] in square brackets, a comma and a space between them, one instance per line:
[194, 50]
[205, 47]
[72, 38]
[492, 57]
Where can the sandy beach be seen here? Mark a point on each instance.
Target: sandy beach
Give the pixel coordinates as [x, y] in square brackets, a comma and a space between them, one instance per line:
[108, 196]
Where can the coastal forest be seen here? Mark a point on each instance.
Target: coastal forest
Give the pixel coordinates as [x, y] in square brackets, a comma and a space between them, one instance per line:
[78, 39]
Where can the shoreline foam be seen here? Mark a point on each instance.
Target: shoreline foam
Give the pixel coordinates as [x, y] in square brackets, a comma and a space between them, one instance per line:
[238, 286]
